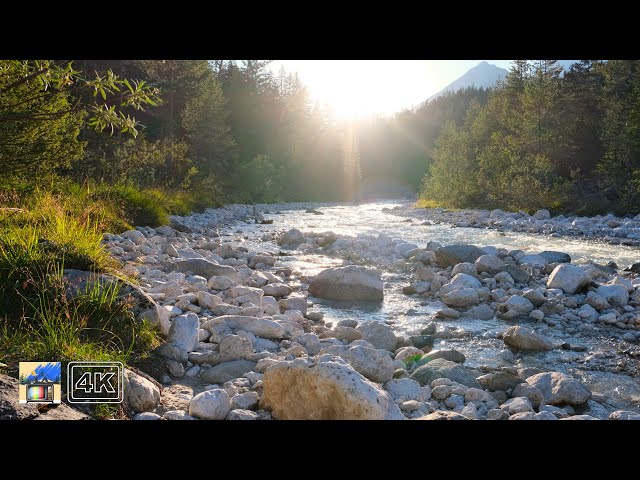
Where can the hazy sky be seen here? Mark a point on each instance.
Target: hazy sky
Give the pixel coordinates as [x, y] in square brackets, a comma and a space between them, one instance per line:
[357, 87]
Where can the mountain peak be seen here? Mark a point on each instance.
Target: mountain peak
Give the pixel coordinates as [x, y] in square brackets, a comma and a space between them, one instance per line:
[483, 75]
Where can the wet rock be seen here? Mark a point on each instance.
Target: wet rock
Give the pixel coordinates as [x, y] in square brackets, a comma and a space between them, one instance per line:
[441, 368]
[569, 278]
[522, 338]
[423, 342]
[453, 254]
[451, 355]
[328, 389]
[560, 389]
[347, 283]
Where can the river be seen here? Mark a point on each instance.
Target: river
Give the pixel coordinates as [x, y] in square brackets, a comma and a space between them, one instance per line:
[599, 366]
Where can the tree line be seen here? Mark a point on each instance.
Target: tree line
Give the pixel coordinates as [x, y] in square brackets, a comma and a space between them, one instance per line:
[545, 138]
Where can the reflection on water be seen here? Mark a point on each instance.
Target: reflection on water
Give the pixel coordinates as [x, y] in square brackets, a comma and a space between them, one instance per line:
[475, 338]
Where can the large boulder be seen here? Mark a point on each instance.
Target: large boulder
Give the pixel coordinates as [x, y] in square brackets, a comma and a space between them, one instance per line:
[560, 389]
[568, 278]
[522, 338]
[328, 389]
[139, 393]
[441, 368]
[379, 335]
[347, 283]
[453, 254]
[374, 364]
[204, 268]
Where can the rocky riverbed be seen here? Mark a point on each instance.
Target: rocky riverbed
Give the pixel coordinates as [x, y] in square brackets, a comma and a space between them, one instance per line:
[320, 311]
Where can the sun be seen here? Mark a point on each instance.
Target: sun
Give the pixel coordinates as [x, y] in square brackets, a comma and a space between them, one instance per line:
[358, 88]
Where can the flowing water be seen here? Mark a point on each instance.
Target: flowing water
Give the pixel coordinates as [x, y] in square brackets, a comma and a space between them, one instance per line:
[475, 338]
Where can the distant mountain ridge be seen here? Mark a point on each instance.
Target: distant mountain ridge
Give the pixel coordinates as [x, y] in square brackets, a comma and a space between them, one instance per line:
[483, 75]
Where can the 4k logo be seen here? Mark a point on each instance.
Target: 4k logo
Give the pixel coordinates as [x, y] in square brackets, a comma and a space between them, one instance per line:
[95, 382]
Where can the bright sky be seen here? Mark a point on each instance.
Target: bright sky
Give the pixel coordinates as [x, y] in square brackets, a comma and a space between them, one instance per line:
[362, 87]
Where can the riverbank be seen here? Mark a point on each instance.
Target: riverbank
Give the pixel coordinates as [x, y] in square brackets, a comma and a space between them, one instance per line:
[239, 324]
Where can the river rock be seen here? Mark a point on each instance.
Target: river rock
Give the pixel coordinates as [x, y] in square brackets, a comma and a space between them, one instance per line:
[517, 405]
[441, 368]
[210, 405]
[624, 415]
[459, 281]
[342, 333]
[534, 394]
[293, 238]
[490, 264]
[293, 303]
[542, 215]
[221, 283]
[328, 389]
[374, 364]
[453, 254]
[616, 295]
[233, 347]
[559, 388]
[262, 327]
[379, 335]
[517, 274]
[277, 289]
[205, 268]
[183, 333]
[568, 278]
[451, 355]
[461, 298]
[347, 283]
[443, 415]
[522, 338]
[556, 257]
[226, 371]
[516, 306]
[139, 393]
[481, 312]
[504, 381]
[405, 389]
